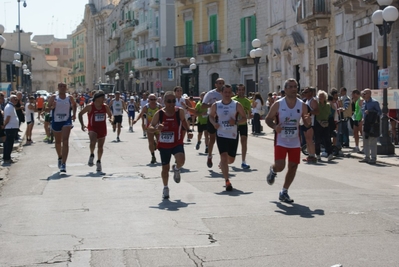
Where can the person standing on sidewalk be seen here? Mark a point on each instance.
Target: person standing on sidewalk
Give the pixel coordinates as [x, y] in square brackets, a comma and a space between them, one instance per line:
[283, 118]
[2, 133]
[11, 126]
[209, 99]
[371, 127]
[169, 122]
[96, 111]
[243, 127]
[227, 111]
[61, 106]
[30, 110]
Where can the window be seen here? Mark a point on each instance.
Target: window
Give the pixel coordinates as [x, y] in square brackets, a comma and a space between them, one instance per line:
[323, 52]
[65, 51]
[213, 27]
[189, 38]
[47, 51]
[364, 40]
[248, 33]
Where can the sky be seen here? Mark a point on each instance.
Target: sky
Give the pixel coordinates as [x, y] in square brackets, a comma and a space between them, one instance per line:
[42, 17]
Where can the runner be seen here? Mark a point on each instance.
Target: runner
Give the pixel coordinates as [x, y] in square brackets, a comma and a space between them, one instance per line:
[47, 122]
[169, 121]
[283, 118]
[143, 103]
[226, 110]
[117, 106]
[39, 106]
[202, 114]
[97, 126]
[210, 98]
[131, 109]
[149, 111]
[61, 106]
[243, 127]
[183, 102]
[30, 109]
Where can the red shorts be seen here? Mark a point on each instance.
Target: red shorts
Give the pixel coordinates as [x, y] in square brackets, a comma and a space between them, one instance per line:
[101, 133]
[294, 154]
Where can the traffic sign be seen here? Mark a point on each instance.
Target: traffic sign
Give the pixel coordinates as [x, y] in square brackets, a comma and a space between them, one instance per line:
[137, 81]
[158, 84]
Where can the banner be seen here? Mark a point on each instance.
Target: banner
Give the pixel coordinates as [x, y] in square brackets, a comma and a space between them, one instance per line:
[393, 97]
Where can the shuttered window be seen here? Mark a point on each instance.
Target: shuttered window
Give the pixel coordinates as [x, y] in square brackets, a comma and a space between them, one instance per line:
[213, 27]
[248, 33]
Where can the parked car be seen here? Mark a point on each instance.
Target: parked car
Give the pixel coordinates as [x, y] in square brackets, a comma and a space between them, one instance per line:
[43, 93]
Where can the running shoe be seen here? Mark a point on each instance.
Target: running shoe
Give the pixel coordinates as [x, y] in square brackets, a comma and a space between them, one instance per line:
[144, 134]
[209, 162]
[245, 166]
[318, 157]
[91, 159]
[153, 160]
[284, 197]
[271, 176]
[131, 129]
[330, 157]
[229, 186]
[206, 150]
[197, 146]
[117, 139]
[310, 160]
[176, 174]
[165, 193]
[46, 139]
[59, 163]
[98, 165]
[63, 168]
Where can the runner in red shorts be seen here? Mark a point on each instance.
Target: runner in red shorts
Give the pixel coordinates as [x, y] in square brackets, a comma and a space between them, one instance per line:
[97, 126]
[284, 117]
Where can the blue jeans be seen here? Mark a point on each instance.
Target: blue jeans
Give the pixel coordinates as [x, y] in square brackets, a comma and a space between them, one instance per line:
[9, 142]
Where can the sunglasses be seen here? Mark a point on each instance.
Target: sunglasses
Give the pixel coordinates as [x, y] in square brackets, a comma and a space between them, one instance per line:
[169, 101]
[152, 99]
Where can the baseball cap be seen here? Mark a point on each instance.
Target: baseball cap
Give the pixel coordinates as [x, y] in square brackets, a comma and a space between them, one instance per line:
[132, 97]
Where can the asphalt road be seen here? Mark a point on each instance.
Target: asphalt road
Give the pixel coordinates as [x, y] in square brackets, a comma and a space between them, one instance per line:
[344, 212]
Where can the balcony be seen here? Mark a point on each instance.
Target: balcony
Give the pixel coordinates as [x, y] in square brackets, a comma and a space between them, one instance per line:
[71, 59]
[154, 4]
[115, 35]
[129, 25]
[354, 6]
[138, 4]
[127, 55]
[154, 34]
[141, 29]
[209, 48]
[184, 51]
[315, 12]
[141, 64]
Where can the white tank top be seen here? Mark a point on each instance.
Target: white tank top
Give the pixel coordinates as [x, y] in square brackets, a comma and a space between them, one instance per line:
[225, 112]
[117, 108]
[289, 120]
[29, 114]
[62, 111]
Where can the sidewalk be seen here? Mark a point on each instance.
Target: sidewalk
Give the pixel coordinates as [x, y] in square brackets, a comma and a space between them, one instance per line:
[392, 160]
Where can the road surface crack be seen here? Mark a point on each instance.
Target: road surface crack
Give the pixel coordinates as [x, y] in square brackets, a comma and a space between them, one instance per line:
[194, 257]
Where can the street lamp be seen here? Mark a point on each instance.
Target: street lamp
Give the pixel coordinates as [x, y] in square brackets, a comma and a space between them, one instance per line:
[27, 73]
[117, 81]
[131, 75]
[383, 19]
[2, 45]
[19, 36]
[17, 63]
[193, 67]
[256, 54]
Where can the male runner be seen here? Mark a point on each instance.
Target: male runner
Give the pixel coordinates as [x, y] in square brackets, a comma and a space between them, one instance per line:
[226, 127]
[210, 98]
[149, 111]
[97, 126]
[243, 128]
[131, 109]
[118, 105]
[170, 121]
[283, 118]
[61, 106]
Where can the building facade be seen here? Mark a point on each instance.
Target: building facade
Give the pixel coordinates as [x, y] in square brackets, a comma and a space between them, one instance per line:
[77, 74]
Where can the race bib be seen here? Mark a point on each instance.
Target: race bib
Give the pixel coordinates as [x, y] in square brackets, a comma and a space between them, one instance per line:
[61, 117]
[99, 117]
[167, 137]
[290, 130]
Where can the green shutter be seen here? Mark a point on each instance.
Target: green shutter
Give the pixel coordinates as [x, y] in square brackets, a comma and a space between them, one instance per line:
[189, 38]
[213, 27]
[253, 27]
[243, 38]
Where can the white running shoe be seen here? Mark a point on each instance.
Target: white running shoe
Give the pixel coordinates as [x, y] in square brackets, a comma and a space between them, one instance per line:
[176, 174]
[98, 165]
[91, 160]
[165, 193]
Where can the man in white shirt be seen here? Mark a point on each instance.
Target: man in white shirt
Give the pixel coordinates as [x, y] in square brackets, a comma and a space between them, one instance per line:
[11, 126]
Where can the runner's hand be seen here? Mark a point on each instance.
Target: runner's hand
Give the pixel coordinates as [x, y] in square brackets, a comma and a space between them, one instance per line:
[278, 128]
[84, 128]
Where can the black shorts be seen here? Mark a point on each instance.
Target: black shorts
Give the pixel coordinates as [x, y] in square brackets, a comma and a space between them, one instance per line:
[166, 153]
[211, 129]
[356, 123]
[243, 130]
[118, 119]
[227, 145]
[39, 109]
[202, 127]
[47, 118]
[304, 128]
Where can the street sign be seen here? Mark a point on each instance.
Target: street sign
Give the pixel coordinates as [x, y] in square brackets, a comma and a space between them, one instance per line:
[383, 78]
[137, 81]
[158, 84]
[171, 75]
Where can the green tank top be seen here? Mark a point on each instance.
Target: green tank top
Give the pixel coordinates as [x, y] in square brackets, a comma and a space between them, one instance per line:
[358, 111]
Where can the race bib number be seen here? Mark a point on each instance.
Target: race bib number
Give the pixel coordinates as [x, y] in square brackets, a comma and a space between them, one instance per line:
[167, 137]
[226, 124]
[61, 117]
[118, 109]
[290, 131]
[99, 117]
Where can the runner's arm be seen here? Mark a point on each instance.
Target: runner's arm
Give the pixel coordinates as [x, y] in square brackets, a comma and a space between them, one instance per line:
[154, 122]
[143, 111]
[183, 120]
[81, 113]
[271, 116]
[212, 115]
[74, 106]
[243, 115]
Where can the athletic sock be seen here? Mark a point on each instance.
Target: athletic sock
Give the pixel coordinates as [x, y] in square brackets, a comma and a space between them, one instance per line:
[284, 190]
[153, 154]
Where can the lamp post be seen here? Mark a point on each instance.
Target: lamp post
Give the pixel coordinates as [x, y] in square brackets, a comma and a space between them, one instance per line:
[27, 73]
[383, 19]
[24, 68]
[117, 81]
[131, 75]
[19, 36]
[193, 67]
[2, 45]
[256, 54]
[17, 63]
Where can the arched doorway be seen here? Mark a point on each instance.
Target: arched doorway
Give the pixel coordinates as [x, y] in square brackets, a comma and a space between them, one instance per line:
[214, 77]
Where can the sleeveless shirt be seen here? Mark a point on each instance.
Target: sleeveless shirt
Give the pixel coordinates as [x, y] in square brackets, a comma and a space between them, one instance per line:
[225, 112]
[289, 120]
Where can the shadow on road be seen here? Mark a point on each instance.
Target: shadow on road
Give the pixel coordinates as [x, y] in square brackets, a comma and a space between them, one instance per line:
[243, 170]
[297, 210]
[58, 176]
[234, 193]
[213, 174]
[168, 205]
[92, 175]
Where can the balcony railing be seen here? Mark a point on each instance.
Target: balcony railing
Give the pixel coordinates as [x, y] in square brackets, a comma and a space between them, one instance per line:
[129, 54]
[141, 28]
[140, 63]
[129, 25]
[154, 4]
[154, 33]
[310, 10]
[209, 47]
[115, 34]
[184, 51]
